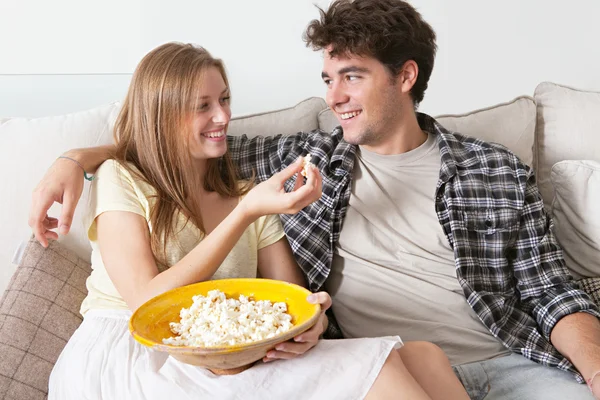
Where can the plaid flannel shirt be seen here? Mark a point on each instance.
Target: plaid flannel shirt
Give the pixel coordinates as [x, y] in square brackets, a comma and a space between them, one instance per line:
[508, 261]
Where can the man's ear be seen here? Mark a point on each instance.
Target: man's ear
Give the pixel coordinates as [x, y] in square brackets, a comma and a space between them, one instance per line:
[407, 77]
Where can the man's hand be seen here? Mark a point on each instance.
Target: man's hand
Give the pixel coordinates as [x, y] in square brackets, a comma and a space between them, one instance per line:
[63, 183]
[577, 337]
[306, 340]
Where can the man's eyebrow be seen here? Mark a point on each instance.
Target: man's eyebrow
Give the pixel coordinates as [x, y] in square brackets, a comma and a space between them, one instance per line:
[345, 70]
[352, 68]
[223, 92]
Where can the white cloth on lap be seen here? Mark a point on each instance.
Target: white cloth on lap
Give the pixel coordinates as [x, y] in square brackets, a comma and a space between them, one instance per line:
[103, 361]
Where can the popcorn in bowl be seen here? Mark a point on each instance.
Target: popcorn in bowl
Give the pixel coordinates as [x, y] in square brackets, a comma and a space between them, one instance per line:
[214, 320]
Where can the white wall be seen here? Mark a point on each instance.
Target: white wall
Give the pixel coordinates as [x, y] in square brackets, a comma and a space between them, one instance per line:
[488, 51]
[260, 42]
[492, 51]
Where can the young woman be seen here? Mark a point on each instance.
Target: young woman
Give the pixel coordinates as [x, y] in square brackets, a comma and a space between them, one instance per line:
[169, 211]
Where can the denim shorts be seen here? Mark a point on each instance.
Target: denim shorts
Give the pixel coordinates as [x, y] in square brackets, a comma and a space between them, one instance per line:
[514, 377]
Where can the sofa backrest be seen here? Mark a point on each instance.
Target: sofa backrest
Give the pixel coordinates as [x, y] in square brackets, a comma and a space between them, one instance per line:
[568, 128]
[300, 118]
[511, 124]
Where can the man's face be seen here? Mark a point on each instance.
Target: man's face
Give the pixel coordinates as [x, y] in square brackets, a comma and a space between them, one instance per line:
[365, 98]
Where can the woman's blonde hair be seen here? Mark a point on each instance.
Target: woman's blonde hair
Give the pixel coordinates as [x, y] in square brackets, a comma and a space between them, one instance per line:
[151, 134]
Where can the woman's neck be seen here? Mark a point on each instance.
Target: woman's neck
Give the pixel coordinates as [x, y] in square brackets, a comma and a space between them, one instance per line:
[198, 174]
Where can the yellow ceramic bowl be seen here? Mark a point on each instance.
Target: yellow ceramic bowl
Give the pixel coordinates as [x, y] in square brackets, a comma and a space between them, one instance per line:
[149, 324]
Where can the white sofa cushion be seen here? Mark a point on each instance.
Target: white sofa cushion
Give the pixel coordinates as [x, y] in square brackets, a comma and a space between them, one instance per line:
[568, 128]
[287, 121]
[28, 147]
[511, 124]
[577, 216]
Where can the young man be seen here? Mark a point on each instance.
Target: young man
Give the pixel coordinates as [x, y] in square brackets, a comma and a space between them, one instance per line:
[414, 219]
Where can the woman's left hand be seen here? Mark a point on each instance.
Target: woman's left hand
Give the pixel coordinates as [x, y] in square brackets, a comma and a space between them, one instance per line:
[306, 340]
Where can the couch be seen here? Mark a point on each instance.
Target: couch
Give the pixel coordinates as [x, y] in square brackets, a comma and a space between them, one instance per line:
[557, 132]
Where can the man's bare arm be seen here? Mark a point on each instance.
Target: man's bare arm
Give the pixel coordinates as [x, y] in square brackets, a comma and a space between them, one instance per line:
[577, 337]
[63, 183]
[91, 157]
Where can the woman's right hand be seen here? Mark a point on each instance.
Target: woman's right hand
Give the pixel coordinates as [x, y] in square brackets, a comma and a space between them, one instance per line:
[270, 197]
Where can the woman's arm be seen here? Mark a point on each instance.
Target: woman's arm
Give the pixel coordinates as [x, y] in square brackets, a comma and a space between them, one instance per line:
[277, 261]
[124, 243]
[124, 240]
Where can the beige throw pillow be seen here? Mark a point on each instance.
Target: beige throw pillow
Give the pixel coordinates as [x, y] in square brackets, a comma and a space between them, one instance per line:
[511, 124]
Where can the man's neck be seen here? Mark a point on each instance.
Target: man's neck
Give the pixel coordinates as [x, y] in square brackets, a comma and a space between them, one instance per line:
[407, 136]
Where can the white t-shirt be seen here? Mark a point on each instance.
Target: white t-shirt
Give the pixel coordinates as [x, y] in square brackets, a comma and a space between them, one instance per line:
[393, 269]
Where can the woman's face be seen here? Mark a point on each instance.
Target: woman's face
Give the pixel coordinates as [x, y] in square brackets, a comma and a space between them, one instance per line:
[209, 121]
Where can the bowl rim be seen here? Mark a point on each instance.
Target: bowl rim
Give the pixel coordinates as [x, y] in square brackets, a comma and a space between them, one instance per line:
[219, 350]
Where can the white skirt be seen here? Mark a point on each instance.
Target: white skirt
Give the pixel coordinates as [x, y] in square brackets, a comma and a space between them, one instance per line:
[103, 361]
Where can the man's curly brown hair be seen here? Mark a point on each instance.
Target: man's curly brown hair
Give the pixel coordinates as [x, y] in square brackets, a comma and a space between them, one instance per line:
[391, 31]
